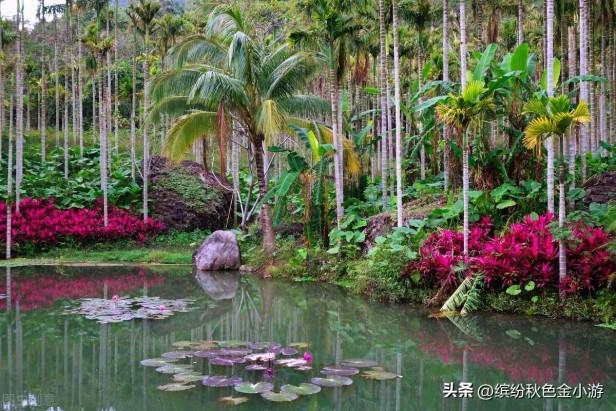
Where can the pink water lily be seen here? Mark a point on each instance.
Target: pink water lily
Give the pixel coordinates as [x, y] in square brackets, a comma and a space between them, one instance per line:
[308, 357]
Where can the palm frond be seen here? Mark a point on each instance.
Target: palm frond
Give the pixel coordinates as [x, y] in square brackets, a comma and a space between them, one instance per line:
[173, 106]
[186, 130]
[459, 295]
[473, 296]
[536, 131]
[195, 49]
[291, 74]
[269, 120]
[305, 105]
[474, 89]
[535, 107]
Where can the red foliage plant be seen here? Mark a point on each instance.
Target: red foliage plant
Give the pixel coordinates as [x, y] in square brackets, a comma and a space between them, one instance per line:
[527, 251]
[42, 224]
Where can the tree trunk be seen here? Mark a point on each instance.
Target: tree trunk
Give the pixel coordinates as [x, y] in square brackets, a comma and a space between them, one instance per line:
[267, 230]
[465, 173]
[550, 90]
[146, 145]
[116, 77]
[562, 214]
[446, 130]
[133, 131]
[602, 99]
[19, 107]
[572, 133]
[57, 91]
[9, 185]
[382, 76]
[339, 185]
[422, 149]
[520, 22]
[103, 138]
[585, 132]
[398, 116]
[43, 109]
[80, 89]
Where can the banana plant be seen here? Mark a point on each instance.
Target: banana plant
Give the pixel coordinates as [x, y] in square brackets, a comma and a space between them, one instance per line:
[308, 176]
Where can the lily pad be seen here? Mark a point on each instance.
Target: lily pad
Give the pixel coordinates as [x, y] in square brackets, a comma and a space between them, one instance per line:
[233, 400]
[266, 356]
[177, 355]
[175, 387]
[222, 362]
[305, 388]
[204, 345]
[303, 368]
[332, 381]
[232, 344]
[235, 352]
[255, 367]
[359, 363]
[187, 377]
[174, 368]
[299, 345]
[379, 374]
[292, 362]
[156, 362]
[288, 351]
[208, 354]
[220, 381]
[258, 388]
[339, 370]
[120, 309]
[279, 397]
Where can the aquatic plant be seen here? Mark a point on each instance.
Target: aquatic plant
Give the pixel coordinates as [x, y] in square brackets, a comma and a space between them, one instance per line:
[259, 376]
[117, 310]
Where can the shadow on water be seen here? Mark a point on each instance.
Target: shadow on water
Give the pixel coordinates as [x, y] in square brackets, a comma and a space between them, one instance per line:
[48, 359]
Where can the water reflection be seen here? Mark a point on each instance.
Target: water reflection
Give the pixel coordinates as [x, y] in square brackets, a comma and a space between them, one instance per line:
[51, 360]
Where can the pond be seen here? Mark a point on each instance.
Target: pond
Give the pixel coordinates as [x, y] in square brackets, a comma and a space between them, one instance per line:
[50, 360]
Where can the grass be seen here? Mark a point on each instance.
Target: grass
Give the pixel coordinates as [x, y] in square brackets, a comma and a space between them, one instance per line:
[171, 248]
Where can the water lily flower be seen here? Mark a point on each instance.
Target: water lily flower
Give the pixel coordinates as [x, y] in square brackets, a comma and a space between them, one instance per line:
[308, 357]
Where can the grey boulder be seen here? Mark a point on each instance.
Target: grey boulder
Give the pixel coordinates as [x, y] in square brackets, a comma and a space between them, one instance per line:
[218, 252]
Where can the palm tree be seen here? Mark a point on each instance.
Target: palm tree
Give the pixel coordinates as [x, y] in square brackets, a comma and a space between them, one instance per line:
[584, 92]
[465, 176]
[42, 118]
[19, 106]
[142, 16]
[445, 80]
[549, 62]
[465, 113]
[100, 47]
[332, 28]
[398, 116]
[383, 103]
[224, 73]
[555, 119]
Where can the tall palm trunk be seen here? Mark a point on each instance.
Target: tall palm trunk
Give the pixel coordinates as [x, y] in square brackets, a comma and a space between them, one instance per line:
[465, 145]
[520, 22]
[146, 143]
[446, 130]
[116, 78]
[398, 116]
[382, 76]
[602, 94]
[80, 89]
[57, 82]
[102, 106]
[562, 214]
[550, 90]
[572, 133]
[9, 185]
[584, 137]
[43, 109]
[133, 131]
[339, 184]
[422, 149]
[265, 216]
[66, 102]
[19, 107]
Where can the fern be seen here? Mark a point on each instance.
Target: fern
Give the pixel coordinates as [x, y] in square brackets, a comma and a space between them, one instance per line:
[459, 296]
[473, 297]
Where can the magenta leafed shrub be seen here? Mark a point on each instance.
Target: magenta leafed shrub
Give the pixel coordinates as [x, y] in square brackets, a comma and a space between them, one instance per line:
[41, 223]
[527, 251]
